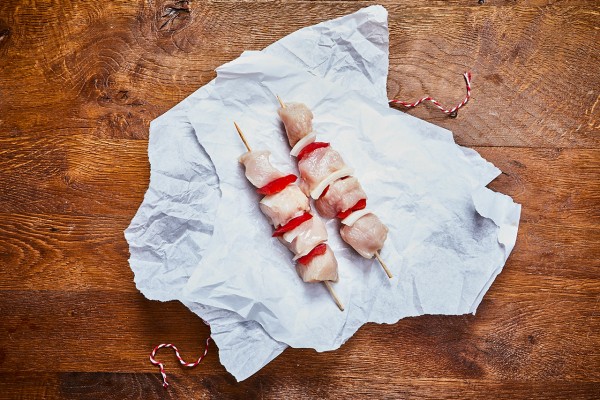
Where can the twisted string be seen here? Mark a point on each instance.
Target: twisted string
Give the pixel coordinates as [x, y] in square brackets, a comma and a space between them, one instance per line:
[452, 112]
[181, 361]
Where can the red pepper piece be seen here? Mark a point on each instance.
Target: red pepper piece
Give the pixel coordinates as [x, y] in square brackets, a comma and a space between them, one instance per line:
[293, 223]
[362, 203]
[277, 185]
[317, 251]
[310, 148]
[325, 191]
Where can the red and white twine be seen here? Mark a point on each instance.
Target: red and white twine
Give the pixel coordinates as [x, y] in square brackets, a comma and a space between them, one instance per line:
[172, 346]
[452, 112]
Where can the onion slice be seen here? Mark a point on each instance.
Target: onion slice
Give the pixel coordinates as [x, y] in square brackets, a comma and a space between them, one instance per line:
[302, 143]
[320, 188]
[355, 216]
[291, 235]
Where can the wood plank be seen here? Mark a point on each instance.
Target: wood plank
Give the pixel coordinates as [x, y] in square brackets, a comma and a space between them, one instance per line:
[54, 252]
[59, 174]
[119, 385]
[560, 195]
[523, 71]
[75, 239]
[540, 336]
[143, 386]
[27, 385]
[95, 331]
[43, 252]
[73, 174]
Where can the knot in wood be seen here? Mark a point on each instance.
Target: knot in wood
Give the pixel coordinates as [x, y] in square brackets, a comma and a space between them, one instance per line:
[174, 11]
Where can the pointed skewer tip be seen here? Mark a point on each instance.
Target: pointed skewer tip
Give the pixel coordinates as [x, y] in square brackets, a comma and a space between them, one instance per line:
[239, 130]
[334, 295]
[280, 101]
[385, 267]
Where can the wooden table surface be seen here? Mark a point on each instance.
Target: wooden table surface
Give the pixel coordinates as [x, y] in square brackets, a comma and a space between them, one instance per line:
[81, 80]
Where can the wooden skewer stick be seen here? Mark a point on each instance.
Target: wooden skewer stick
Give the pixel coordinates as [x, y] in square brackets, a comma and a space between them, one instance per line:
[334, 295]
[242, 136]
[385, 268]
[280, 102]
[327, 283]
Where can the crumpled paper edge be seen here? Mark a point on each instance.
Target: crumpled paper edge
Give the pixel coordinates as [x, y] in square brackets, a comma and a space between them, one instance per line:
[506, 214]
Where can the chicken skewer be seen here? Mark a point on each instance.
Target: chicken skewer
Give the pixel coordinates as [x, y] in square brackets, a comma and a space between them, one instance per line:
[287, 208]
[329, 181]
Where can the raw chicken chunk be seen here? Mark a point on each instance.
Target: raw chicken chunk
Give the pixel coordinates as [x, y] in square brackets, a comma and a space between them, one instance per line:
[285, 205]
[305, 237]
[297, 119]
[318, 165]
[366, 235]
[321, 268]
[341, 195]
[259, 170]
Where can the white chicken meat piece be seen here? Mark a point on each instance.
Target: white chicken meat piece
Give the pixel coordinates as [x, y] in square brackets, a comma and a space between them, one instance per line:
[367, 235]
[281, 207]
[341, 195]
[318, 165]
[305, 237]
[259, 170]
[297, 119]
[319, 269]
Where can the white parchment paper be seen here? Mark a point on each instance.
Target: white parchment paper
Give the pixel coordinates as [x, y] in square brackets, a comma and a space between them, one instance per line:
[449, 235]
[441, 251]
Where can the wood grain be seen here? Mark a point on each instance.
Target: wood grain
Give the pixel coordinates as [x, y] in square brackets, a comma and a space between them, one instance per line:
[85, 385]
[513, 338]
[115, 85]
[60, 242]
[80, 83]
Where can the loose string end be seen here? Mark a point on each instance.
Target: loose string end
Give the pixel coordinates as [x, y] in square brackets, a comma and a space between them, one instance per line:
[161, 366]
